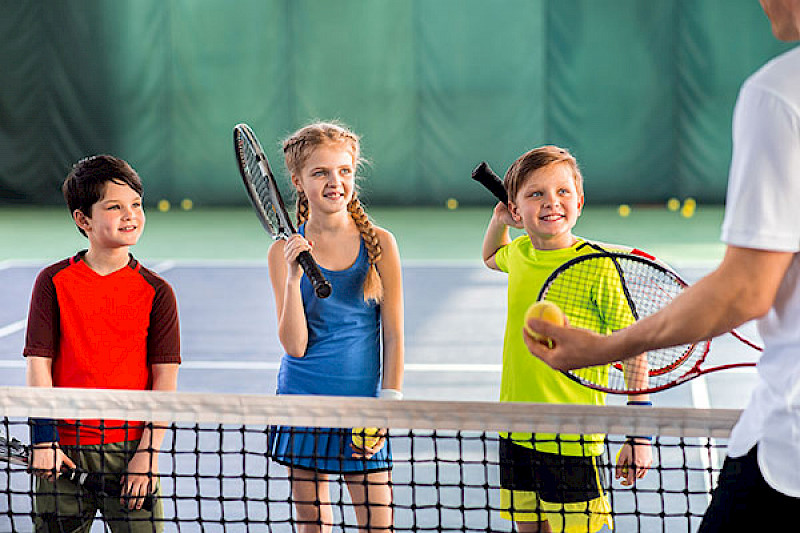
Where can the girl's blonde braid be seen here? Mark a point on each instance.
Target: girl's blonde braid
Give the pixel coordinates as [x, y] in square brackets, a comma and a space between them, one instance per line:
[302, 208]
[373, 288]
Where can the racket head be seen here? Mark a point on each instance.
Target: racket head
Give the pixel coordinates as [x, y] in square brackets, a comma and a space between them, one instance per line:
[13, 452]
[607, 291]
[262, 189]
[260, 184]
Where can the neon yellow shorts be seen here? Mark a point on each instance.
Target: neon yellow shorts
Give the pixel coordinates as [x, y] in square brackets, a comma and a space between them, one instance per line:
[565, 491]
[525, 506]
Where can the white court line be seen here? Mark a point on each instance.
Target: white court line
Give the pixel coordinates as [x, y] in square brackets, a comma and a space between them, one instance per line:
[273, 365]
[701, 399]
[12, 328]
[163, 266]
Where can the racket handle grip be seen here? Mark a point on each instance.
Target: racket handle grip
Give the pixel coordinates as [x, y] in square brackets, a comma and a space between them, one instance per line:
[484, 175]
[95, 484]
[322, 287]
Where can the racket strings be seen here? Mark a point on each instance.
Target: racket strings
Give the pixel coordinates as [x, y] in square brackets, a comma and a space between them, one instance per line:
[608, 292]
[261, 187]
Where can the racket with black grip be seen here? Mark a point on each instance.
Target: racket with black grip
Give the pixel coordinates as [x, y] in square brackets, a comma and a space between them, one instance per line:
[616, 288]
[15, 453]
[267, 201]
[484, 175]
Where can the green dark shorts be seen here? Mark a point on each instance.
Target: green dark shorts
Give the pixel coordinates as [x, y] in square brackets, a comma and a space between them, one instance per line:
[67, 507]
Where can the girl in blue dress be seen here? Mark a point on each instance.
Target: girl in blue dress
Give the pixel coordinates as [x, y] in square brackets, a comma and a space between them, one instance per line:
[349, 344]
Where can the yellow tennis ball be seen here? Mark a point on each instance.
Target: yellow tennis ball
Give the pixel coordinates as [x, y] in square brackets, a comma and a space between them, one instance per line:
[690, 203]
[365, 437]
[624, 469]
[687, 210]
[163, 205]
[544, 310]
[187, 204]
[624, 210]
[451, 203]
[673, 204]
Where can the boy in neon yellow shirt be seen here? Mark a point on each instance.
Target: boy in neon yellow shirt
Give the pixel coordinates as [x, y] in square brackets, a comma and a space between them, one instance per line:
[545, 191]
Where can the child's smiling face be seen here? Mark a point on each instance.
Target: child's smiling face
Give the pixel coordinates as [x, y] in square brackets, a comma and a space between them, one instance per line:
[328, 177]
[117, 219]
[548, 204]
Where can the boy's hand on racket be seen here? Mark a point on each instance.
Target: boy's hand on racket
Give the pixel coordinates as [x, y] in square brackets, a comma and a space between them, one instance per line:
[295, 245]
[139, 481]
[503, 215]
[633, 461]
[47, 460]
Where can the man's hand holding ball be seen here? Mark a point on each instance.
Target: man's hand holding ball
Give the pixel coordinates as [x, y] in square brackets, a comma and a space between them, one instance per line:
[547, 311]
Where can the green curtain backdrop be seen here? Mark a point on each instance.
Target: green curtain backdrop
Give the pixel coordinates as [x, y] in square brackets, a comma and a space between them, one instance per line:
[641, 91]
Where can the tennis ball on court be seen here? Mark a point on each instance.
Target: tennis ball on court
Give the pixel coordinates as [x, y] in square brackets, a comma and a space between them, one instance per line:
[451, 203]
[187, 204]
[163, 205]
[365, 437]
[673, 204]
[624, 210]
[689, 207]
[547, 311]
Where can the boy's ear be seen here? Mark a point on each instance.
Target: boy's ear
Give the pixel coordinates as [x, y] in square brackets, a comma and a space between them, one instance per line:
[512, 208]
[81, 220]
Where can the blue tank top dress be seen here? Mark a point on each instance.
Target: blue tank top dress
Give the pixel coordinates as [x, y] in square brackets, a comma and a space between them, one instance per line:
[343, 358]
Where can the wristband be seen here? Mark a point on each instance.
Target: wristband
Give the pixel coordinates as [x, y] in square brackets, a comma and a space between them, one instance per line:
[390, 394]
[643, 403]
[43, 430]
[634, 437]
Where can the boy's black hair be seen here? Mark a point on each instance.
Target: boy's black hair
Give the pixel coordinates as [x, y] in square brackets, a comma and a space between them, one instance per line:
[86, 182]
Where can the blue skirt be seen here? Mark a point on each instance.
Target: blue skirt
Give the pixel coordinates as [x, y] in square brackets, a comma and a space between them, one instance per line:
[324, 450]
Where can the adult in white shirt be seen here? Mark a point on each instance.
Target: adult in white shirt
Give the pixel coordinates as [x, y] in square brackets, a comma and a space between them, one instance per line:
[759, 278]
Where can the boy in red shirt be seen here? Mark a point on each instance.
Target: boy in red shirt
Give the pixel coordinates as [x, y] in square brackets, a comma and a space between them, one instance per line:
[101, 320]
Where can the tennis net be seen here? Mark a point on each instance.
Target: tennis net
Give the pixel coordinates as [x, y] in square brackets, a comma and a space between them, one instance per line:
[219, 466]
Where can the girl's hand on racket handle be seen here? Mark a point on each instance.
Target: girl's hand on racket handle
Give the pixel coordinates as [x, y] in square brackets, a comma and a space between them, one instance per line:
[633, 460]
[294, 245]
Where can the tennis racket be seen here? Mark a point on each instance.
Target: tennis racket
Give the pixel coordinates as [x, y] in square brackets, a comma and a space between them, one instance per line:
[484, 175]
[15, 453]
[611, 290]
[267, 202]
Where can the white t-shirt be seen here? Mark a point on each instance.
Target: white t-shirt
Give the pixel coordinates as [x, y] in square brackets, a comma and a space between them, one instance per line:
[763, 212]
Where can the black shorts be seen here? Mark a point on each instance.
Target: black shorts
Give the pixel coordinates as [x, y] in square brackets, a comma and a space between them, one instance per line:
[555, 478]
[744, 501]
